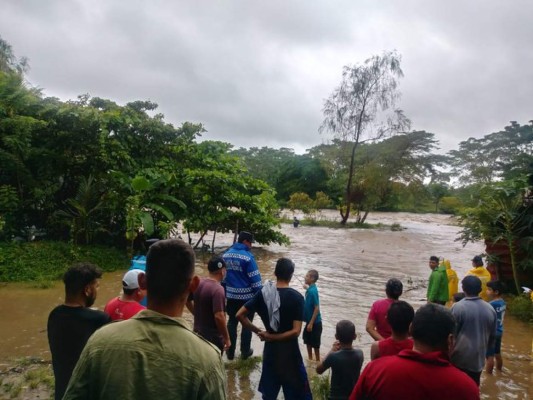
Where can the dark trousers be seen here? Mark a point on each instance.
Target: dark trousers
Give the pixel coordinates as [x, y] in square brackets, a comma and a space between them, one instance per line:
[476, 376]
[232, 306]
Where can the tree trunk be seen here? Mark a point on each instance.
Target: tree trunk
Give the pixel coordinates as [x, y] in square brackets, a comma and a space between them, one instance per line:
[213, 241]
[199, 240]
[364, 216]
[348, 199]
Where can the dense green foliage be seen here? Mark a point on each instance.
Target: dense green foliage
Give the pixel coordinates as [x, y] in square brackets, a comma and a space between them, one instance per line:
[521, 307]
[93, 171]
[45, 261]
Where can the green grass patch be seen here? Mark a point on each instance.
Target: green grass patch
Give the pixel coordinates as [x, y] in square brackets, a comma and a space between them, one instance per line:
[520, 307]
[44, 262]
[244, 367]
[320, 387]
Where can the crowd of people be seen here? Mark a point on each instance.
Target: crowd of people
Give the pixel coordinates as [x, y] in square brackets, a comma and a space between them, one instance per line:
[437, 352]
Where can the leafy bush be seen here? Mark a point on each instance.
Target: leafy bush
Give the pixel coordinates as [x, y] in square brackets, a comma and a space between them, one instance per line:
[450, 205]
[520, 307]
[45, 261]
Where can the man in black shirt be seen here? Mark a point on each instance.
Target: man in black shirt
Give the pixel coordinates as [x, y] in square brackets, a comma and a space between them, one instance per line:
[281, 310]
[71, 324]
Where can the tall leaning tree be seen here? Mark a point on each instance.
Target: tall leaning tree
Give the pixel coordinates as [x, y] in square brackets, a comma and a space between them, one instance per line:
[362, 108]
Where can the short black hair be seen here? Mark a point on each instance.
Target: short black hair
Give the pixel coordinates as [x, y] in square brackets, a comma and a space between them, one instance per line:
[314, 274]
[169, 269]
[458, 296]
[394, 288]
[497, 286]
[284, 269]
[78, 276]
[471, 285]
[345, 331]
[400, 316]
[432, 325]
[129, 292]
[434, 258]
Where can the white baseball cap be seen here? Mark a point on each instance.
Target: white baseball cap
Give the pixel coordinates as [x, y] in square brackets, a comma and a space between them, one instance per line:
[131, 279]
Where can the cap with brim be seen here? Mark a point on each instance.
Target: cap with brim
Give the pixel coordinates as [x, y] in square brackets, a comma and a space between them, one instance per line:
[131, 279]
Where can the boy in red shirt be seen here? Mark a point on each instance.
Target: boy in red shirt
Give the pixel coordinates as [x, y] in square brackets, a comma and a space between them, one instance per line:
[128, 303]
[399, 316]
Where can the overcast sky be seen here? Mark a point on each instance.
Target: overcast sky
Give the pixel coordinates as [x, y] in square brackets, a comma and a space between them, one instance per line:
[257, 73]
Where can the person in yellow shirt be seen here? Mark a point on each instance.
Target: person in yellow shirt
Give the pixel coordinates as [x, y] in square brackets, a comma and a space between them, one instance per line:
[482, 273]
[453, 279]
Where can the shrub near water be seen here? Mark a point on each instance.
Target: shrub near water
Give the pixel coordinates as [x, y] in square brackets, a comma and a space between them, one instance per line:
[47, 261]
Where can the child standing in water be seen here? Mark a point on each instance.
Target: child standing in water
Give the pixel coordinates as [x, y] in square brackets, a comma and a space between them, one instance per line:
[345, 362]
[494, 293]
[312, 318]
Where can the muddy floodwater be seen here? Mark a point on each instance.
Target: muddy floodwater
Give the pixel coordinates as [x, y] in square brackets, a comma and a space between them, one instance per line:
[353, 264]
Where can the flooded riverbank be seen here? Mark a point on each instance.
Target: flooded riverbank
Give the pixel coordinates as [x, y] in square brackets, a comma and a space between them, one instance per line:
[354, 265]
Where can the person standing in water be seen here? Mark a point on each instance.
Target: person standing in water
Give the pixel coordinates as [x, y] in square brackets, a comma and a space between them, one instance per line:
[438, 291]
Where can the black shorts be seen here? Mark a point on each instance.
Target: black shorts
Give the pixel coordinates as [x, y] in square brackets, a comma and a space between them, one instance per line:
[313, 338]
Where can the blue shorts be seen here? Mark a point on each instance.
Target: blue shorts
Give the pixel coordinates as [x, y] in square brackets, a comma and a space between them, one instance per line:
[271, 383]
[497, 347]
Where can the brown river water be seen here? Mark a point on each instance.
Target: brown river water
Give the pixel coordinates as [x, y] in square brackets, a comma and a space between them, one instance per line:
[353, 264]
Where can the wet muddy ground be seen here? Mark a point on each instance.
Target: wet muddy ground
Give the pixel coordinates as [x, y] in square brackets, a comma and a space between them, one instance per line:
[354, 265]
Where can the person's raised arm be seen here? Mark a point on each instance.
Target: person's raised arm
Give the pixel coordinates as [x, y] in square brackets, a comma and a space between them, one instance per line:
[325, 364]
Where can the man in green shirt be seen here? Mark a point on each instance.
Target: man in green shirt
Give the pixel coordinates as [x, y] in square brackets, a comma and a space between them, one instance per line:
[438, 282]
[155, 354]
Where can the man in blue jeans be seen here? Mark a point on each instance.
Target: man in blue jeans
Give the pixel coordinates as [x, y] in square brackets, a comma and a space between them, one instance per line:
[242, 281]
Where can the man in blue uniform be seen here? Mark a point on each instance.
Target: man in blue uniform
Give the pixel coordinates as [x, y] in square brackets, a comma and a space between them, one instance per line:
[243, 280]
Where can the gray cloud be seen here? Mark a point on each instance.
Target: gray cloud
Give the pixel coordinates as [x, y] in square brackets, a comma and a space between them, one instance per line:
[256, 74]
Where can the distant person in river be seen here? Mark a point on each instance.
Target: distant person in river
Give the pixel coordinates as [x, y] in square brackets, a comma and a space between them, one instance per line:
[128, 303]
[71, 324]
[399, 316]
[495, 290]
[438, 291]
[476, 329]
[482, 273]
[281, 309]
[208, 305]
[242, 281]
[377, 325]
[312, 317]
[422, 373]
[345, 362]
[295, 222]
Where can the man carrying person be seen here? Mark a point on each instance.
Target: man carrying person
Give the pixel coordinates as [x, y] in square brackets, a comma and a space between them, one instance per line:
[242, 281]
[422, 373]
[281, 310]
[476, 329]
[71, 324]
[128, 303]
[376, 324]
[155, 354]
[438, 291]
[208, 304]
